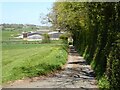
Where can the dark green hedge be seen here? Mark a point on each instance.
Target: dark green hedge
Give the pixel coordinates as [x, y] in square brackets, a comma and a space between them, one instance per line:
[95, 29]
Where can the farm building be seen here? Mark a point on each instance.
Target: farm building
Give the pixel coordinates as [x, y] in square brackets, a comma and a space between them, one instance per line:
[36, 36]
[33, 36]
[55, 35]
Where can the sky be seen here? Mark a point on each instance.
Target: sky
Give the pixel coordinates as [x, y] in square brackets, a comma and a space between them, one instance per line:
[24, 12]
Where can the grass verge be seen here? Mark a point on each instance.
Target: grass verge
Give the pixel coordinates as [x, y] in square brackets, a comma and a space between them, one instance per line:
[29, 60]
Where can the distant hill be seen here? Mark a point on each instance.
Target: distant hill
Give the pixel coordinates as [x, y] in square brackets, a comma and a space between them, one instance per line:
[23, 27]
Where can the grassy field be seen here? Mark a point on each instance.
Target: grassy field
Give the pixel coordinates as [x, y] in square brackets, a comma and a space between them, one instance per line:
[28, 60]
[21, 59]
[7, 34]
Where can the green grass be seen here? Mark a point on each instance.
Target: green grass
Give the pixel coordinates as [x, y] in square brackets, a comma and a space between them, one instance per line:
[28, 60]
[10, 33]
[21, 59]
[103, 83]
[7, 34]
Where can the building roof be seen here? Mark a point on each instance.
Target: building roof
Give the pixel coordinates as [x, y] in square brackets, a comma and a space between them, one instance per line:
[34, 33]
[35, 37]
[55, 32]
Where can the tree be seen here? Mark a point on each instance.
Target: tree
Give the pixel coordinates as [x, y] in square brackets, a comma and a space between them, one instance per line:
[95, 31]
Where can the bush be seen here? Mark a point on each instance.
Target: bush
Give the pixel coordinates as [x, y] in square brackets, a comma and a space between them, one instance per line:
[46, 38]
[63, 37]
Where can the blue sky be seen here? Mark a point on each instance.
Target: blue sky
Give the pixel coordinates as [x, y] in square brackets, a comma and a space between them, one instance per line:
[24, 12]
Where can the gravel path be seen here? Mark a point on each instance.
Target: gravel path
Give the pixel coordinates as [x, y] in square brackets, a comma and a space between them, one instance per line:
[76, 74]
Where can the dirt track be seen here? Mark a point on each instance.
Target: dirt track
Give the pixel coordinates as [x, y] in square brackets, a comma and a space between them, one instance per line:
[76, 74]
